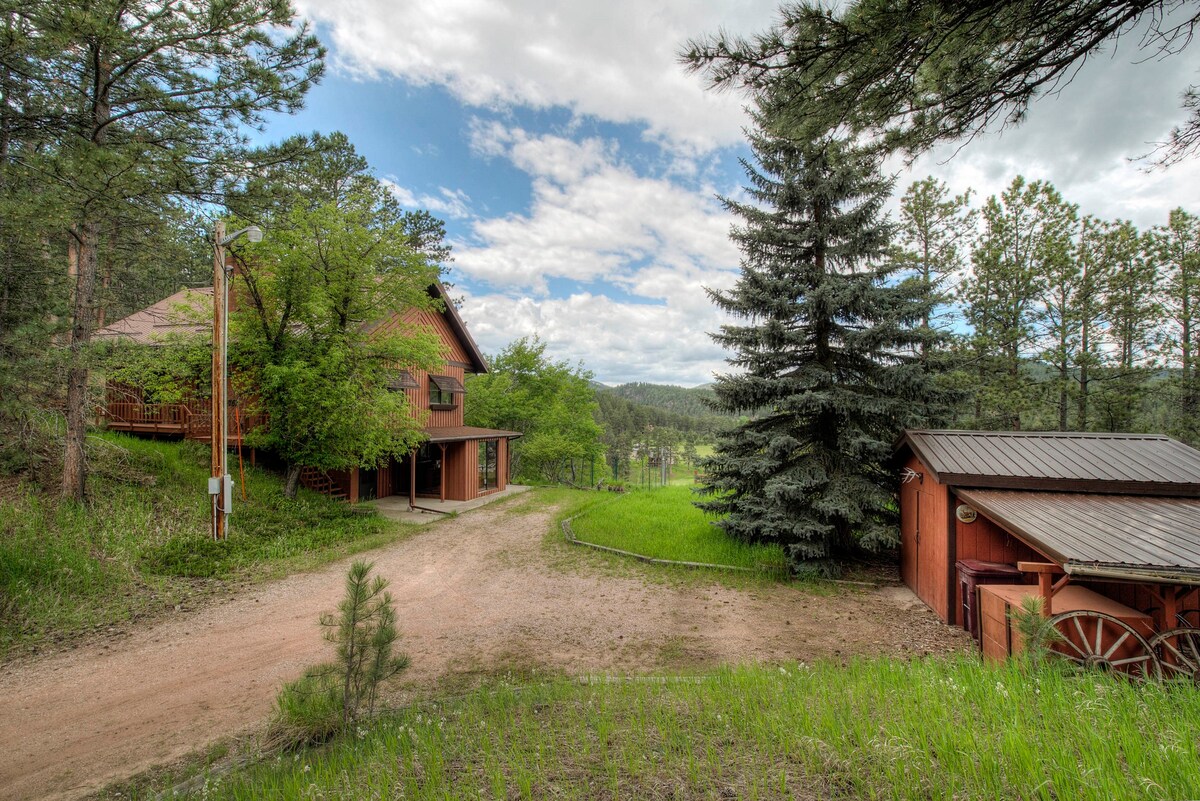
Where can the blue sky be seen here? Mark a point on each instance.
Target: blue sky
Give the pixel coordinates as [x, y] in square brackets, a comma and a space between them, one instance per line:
[576, 164]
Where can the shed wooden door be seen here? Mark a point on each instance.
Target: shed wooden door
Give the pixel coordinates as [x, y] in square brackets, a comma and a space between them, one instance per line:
[908, 534]
[931, 550]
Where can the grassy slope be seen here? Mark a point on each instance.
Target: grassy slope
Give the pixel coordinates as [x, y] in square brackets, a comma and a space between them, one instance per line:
[142, 545]
[878, 729]
[663, 523]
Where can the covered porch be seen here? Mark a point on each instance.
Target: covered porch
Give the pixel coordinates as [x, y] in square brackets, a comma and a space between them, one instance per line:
[455, 463]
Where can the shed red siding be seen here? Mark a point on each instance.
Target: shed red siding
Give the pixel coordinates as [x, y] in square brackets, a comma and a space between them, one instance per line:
[928, 553]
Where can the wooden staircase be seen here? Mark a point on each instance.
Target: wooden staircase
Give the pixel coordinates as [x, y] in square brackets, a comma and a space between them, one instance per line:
[319, 481]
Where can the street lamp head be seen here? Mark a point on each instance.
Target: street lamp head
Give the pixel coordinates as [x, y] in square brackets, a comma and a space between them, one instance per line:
[252, 233]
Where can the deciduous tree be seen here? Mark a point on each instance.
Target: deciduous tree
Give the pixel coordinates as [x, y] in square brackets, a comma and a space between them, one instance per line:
[316, 343]
[551, 402]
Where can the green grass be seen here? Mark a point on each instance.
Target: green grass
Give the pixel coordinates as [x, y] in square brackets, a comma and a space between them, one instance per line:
[662, 523]
[875, 729]
[142, 543]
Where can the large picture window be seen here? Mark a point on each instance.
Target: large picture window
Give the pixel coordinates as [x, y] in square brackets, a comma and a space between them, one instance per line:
[489, 451]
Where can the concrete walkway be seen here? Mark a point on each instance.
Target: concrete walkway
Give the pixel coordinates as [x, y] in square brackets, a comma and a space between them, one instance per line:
[395, 507]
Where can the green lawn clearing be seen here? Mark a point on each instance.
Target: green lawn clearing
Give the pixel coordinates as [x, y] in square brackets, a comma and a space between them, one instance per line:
[662, 523]
[872, 730]
[141, 544]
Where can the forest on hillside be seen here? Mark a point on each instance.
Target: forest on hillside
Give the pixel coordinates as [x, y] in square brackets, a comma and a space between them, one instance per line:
[691, 401]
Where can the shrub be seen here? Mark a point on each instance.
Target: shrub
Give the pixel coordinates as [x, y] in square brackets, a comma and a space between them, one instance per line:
[307, 710]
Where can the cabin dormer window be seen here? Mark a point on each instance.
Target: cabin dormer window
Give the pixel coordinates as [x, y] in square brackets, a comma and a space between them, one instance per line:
[442, 392]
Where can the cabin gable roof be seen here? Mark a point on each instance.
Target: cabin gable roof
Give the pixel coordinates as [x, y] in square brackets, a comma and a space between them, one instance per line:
[183, 312]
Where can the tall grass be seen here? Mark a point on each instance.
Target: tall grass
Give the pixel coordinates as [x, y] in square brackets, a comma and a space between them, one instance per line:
[663, 524]
[144, 534]
[877, 729]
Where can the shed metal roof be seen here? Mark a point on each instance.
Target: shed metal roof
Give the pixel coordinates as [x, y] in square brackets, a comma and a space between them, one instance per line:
[1138, 464]
[1151, 539]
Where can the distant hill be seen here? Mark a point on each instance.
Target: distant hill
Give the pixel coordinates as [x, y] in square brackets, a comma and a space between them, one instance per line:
[688, 401]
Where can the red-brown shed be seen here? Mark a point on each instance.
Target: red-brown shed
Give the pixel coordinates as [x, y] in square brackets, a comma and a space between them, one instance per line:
[1117, 513]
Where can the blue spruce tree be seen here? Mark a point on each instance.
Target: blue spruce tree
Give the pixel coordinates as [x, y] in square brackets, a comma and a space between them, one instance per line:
[828, 358]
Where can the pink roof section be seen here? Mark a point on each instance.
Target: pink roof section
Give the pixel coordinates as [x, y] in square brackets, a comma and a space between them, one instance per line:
[188, 311]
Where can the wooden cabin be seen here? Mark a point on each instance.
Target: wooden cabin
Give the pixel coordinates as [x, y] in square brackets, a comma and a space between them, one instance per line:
[456, 462]
[1109, 522]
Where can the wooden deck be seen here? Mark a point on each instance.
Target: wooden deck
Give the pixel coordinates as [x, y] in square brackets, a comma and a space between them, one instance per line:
[182, 420]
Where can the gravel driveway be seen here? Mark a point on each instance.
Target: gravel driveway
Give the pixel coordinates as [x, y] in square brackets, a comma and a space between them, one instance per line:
[476, 593]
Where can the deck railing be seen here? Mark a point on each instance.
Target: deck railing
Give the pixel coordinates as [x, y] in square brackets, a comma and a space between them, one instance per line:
[191, 420]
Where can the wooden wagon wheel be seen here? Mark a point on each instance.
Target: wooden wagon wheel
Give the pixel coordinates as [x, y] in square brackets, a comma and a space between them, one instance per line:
[1178, 651]
[1188, 618]
[1102, 642]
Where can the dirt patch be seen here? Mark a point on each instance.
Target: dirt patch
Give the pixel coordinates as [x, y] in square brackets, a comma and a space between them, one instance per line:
[474, 595]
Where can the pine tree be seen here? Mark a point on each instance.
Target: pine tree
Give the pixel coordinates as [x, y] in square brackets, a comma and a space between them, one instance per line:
[934, 234]
[1176, 248]
[1089, 312]
[1002, 298]
[1063, 297]
[1133, 310]
[828, 355]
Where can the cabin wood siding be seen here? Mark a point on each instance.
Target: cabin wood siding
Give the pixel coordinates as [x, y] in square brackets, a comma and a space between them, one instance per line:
[987, 542]
[462, 470]
[432, 321]
[418, 400]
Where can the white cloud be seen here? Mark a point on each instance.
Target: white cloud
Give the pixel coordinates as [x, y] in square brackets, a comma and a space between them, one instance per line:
[656, 235]
[647, 247]
[453, 203]
[618, 342]
[1082, 140]
[592, 218]
[616, 61]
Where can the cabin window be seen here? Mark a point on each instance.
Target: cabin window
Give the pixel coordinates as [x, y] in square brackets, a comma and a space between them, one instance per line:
[401, 380]
[442, 391]
[489, 451]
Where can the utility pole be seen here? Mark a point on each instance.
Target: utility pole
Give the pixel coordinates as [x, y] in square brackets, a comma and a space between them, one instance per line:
[221, 499]
[220, 484]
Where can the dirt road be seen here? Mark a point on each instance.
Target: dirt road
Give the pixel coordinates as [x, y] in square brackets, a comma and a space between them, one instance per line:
[473, 594]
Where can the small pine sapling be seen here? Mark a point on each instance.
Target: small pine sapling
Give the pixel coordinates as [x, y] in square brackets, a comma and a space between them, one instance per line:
[364, 631]
[1036, 630]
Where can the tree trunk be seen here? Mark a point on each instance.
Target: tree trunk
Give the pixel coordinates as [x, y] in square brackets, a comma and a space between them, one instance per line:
[1189, 382]
[74, 475]
[1063, 377]
[292, 483]
[1084, 358]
